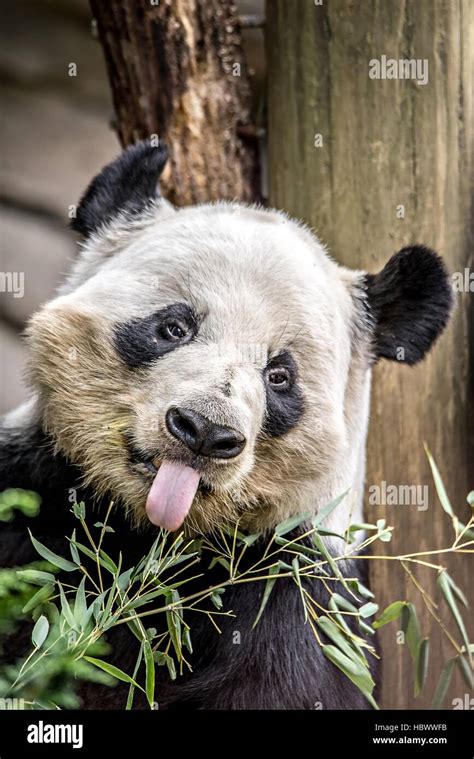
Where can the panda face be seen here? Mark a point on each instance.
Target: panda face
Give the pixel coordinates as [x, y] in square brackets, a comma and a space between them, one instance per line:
[213, 364]
[217, 340]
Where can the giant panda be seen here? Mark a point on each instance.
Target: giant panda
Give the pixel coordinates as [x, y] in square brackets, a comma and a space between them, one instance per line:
[204, 365]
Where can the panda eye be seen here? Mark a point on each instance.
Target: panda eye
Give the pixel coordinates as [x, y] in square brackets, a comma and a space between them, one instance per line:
[278, 378]
[174, 331]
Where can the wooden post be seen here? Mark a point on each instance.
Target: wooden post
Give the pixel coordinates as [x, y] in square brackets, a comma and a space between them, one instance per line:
[374, 164]
[176, 69]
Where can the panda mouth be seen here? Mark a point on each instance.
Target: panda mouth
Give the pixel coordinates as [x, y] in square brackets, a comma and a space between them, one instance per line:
[141, 461]
[148, 467]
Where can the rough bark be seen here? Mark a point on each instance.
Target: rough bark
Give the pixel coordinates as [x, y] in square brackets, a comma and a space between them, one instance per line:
[387, 143]
[176, 70]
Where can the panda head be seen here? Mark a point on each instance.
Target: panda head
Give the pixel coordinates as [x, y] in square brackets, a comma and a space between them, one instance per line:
[212, 363]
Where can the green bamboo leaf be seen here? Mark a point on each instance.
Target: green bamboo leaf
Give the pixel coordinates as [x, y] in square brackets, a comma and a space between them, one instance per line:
[40, 631]
[273, 570]
[150, 672]
[97, 604]
[35, 576]
[443, 684]
[467, 534]
[216, 600]
[113, 671]
[446, 590]
[164, 659]
[80, 603]
[53, 558]
[360, 589]
[366, 526]
[147, 598]
[422, 665]
[353, 669]
[343, 603]
[220, 560]
[368, 610]
[296, 574]
[367, 629]
[107, 620]
[40, 596]
[456, 590]
[439, 485]
[340, 617]
[135, 628]
[123, 580]
[106, 527]
[291, 524]
[249, 540]
[173, 617]
[470, 498]
[390, 613]
[327, 510]
[72, 547]
[411, 628]
[131, 690]
[186, 639]
[104, 560]
[324, 551]
[330, 534]
[171, 667]
[466, 670]
[333, 632]
[66, 610]
[79, 510]
[353, 529]
[296, 546]
[107, 562]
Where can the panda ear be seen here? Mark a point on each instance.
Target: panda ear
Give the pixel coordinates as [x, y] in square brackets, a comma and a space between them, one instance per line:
[410, 302]
[128, 184]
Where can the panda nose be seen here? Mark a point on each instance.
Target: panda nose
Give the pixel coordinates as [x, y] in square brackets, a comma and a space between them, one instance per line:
[202, 436]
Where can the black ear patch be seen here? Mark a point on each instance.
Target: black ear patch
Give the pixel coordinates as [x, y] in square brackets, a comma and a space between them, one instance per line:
[410, 301]
[127, 184]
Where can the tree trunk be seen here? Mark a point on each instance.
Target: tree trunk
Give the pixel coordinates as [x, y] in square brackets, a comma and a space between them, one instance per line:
[386, 144]
[176, 70]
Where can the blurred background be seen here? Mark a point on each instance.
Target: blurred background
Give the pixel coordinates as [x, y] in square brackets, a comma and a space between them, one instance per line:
[57, 133]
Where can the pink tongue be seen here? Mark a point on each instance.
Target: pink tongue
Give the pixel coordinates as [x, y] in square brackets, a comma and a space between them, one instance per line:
[171, 495]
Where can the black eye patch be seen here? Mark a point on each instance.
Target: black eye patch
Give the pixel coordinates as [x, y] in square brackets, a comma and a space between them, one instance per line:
[141, 341]
[285, 402]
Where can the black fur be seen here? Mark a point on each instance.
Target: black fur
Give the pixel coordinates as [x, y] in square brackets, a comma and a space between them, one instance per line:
[410, 301]
[141, 341]
[279, 665]
[27, 460]
[284, 408]
[128, 184]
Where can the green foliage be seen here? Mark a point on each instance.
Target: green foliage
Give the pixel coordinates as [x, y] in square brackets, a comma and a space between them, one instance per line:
[72, 614]
[22, 500]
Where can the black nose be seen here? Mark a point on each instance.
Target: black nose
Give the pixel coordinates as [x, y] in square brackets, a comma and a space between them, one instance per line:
[202, 436]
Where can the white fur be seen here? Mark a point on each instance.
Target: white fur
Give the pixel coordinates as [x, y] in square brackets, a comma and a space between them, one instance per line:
[256, 278]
